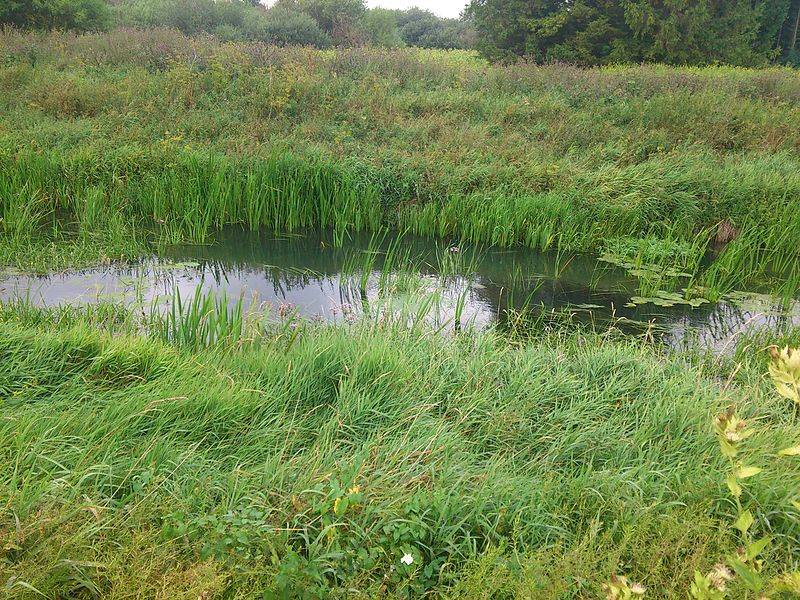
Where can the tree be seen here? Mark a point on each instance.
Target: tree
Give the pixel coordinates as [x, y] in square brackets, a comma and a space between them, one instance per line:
[424, 29]
[794, 29]
[331, 15]
[77, 15]
[585, 31]
[380, 26]
[286, 26]
[602, 31]
[696, 31]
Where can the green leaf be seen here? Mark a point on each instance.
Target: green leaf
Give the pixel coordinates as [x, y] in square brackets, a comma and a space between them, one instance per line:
[793, 451]
[728, 449]
[748, 574]
[745, 472]
[757, 547]
[796, 504]
[734, 486]
[744, 521]
[341, 506]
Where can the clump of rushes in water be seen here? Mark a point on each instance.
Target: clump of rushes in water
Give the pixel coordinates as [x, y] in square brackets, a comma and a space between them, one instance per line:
[204, 320]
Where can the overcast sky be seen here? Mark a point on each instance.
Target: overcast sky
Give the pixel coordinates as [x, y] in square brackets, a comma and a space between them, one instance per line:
[443, 8]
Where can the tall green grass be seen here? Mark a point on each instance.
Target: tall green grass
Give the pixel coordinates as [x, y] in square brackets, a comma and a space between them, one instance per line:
[193, 192]
[310, 469]
[184, 135]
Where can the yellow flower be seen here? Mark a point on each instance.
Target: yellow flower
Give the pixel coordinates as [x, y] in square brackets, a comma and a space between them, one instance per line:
[785, 372]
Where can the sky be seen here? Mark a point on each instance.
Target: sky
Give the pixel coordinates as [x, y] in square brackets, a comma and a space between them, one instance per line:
[443, 8]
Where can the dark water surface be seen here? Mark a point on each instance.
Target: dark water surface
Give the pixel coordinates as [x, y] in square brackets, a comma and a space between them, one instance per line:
[307, 274]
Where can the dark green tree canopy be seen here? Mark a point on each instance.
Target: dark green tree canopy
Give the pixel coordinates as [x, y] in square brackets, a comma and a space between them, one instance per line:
[743, 32]
[78, 15]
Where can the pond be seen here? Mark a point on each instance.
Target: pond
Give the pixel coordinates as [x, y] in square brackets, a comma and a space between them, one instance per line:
[308, 275]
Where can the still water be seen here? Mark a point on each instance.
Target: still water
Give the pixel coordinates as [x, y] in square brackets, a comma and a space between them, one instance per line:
[308, 276]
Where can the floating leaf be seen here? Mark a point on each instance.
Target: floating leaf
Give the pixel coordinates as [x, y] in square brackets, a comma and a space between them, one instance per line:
[697, 302]
[670, 296]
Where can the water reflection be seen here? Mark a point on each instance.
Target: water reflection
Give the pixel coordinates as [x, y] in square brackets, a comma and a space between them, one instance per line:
[318, 280]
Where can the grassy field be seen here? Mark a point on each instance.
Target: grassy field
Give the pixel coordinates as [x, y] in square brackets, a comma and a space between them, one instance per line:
[307, 465]
[197, 454]
[152, 128]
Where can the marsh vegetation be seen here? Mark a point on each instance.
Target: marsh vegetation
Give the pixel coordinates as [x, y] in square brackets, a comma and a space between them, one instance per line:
[482, 411]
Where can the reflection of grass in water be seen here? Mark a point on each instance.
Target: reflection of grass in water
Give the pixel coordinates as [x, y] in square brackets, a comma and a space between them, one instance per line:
[456, 260]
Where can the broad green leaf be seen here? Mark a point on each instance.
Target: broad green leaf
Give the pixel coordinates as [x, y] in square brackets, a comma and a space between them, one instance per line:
[727, 448]
[757, 547]
[744, 521]
[748, 574]
[734, 486]
[745, 472]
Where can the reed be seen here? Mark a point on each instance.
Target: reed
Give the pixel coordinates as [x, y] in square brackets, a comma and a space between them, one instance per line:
[184, 135]
[203, 320]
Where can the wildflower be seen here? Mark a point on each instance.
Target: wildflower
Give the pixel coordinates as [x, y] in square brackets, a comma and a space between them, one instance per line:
[407, 559]
[354, 490]
[285, 309]
[620, 588]
[785, 372]
[730, 431]
[719, 577]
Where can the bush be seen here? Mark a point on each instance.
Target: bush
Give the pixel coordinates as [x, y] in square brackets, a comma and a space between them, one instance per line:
[380, 26]
[286, 27]
[77, 15]
[228, 20]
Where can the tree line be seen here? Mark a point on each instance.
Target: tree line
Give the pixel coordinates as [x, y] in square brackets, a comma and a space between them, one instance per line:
[320, 23]
[584, 32]
[597, 32]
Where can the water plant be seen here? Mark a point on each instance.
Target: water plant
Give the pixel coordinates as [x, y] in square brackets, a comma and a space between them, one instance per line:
[203, 320]
[611, 160]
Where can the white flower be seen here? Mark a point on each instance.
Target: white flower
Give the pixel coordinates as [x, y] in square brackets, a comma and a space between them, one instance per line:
[407, 559]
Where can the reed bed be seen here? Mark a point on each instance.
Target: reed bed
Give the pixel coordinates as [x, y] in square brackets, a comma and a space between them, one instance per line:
[184, 135]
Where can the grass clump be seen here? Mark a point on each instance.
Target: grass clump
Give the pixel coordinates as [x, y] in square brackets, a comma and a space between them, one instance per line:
[316, 468]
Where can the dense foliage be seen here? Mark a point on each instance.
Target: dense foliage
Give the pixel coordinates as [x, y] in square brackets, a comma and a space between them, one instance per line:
[371, 461]
[739, 32]
[441, 142]
[78, 15]
[319, 23]
[189, 454]
[586, 32]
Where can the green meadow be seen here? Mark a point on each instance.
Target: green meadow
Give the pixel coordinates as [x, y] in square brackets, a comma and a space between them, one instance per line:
[203, 453]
